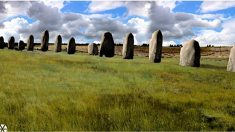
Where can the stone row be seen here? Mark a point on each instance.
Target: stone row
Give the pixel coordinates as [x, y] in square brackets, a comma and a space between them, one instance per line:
[190, 53]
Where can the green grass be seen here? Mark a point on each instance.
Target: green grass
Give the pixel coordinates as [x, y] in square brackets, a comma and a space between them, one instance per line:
[56, 91]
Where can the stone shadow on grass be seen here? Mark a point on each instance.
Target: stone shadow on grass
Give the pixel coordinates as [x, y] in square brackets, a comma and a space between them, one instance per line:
[213, 67]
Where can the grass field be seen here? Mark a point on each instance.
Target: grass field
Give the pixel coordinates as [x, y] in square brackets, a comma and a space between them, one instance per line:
[56, 91]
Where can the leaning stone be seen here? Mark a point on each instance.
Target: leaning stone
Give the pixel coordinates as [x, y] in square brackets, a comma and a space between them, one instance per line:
[2, 43]
[30, 43]
[107, 46]
[58, 44]
[11, 43]
[45, 41]
[231, 61]
[190, 54]
[92, 49]
[155, 47]
[71, 46]
[21, 45]
[128, 47]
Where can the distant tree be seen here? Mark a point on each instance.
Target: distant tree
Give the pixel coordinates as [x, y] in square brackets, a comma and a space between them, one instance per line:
[144, 45]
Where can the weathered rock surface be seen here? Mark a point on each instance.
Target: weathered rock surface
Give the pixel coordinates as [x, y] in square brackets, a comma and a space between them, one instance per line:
[2, 43]
[128, 47]
[11, 43]
[155, 47]
[45, 41]
[107, 46]
[58, 44]
[21, 45]
[30, 43]
[231, 61]
[71, 46]
[190, 54]
[92, 49]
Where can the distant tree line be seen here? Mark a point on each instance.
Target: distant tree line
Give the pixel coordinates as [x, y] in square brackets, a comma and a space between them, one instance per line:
[209, 45]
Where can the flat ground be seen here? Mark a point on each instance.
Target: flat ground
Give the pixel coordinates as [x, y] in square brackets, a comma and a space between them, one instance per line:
[56, 91]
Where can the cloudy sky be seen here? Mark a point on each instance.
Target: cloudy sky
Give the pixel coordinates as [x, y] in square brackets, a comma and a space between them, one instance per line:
[209, 22]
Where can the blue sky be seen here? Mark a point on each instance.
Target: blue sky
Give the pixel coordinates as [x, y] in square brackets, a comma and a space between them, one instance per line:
[209, 22]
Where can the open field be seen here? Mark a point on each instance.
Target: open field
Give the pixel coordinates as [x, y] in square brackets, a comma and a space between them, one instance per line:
[56, 91]
[208, 52]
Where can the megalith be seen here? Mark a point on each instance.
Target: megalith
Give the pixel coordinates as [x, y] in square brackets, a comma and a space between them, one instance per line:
[2, 43]
[128, 47]
[155, 47]
[92, 49]
[58, 44]
[21, 45]
[30, 43]
[45, 41]
[107, 46]
[71, 46]
[190, 54]
[11, 43]
[231, 61]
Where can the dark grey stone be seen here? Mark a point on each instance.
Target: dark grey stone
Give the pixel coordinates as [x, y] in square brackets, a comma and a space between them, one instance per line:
[71, 46]
[30, 43]
[45, 41]
[21, 45]
[107, 46]
[11, 43]
[128, 47]
[2, 43]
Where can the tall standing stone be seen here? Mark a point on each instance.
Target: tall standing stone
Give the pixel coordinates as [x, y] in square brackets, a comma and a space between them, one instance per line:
[107, 46]
[231, 61]
[2, 43]
[128, 47]
[30, 43]
[71, 46]
[58, 44]
[21, 45]
[11, 43]
[45, 41]
[92, 49]
[155, 47]
[190, 54]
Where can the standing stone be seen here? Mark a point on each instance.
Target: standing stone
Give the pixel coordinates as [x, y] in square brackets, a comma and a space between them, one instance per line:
[58, 43]
[128, 47]
[155, 47]
[92, 49]
[107, 46]
[231, 61]
[190, 54]
[45, 41]
[30, 43]
[11, 43]
[71, 46]
[2, 43]
[21, 45]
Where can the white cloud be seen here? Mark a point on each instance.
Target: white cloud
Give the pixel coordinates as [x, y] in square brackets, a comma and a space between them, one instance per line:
[98, 6]
[137, 8]
[54, 3]
[144, 19]
[224, 37]
[168, 43]
[210, 6]
[8, 31]
[141, 25]
[177, 25]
